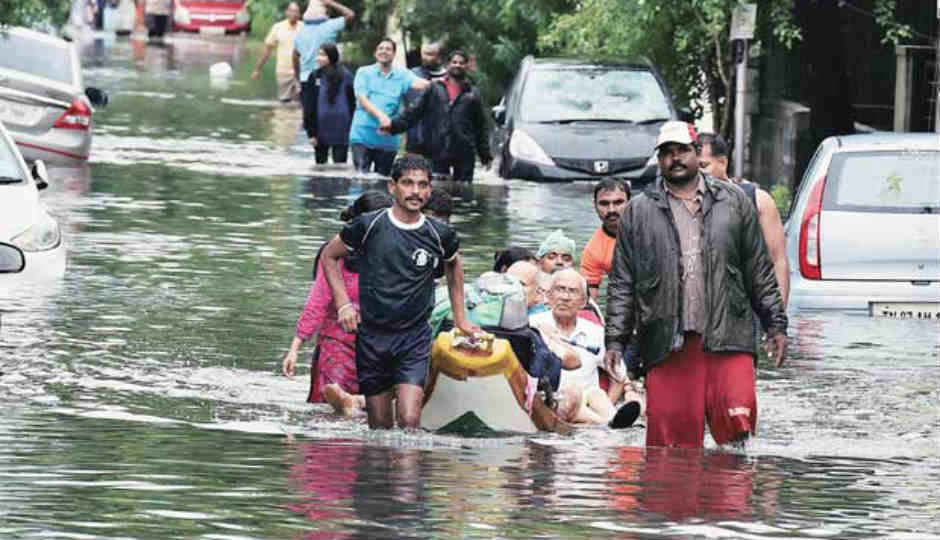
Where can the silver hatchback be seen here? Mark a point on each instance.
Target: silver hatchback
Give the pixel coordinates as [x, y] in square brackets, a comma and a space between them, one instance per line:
[864, 232]
[42, 101]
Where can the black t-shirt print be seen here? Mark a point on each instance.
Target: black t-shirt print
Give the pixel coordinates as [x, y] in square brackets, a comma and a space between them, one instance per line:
[397, 266]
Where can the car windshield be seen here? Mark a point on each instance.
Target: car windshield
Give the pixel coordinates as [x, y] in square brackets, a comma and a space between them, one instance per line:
[35, 57]
[605, 94]
[10, 172]
[896, 181]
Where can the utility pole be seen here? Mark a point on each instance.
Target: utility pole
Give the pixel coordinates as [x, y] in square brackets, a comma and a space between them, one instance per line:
[743, 22]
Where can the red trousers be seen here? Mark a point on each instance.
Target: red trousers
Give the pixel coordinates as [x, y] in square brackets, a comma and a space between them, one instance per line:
[693, 386]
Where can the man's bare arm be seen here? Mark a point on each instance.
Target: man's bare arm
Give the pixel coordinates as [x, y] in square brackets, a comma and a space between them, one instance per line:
[332, 253]
[261, 61]
[296, 60]
[772, 227]
[420, 84]
[346, 13]
[367, 105]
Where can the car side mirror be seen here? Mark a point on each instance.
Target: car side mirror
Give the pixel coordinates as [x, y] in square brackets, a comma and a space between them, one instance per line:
[686, 114]
[499, 114]
[40, 174]
[12, 259]
[97, 97]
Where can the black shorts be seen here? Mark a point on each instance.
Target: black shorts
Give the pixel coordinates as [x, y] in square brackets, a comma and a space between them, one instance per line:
[385, 359]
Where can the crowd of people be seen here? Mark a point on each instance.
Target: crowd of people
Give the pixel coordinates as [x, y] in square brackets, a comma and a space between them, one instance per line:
[691, 285]
[364, 114]
[695, 265]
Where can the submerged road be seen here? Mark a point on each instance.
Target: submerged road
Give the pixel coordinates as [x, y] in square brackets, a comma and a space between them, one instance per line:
[141, 393]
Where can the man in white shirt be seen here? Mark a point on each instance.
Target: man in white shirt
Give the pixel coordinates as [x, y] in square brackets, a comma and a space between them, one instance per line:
[584, 400]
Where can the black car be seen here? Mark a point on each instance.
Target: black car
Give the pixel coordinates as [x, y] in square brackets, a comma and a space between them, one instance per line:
[567, 119]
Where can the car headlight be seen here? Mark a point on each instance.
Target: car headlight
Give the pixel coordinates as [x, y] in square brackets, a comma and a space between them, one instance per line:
[242, 17]
[42, 236]
[181, 15]
[523, 146]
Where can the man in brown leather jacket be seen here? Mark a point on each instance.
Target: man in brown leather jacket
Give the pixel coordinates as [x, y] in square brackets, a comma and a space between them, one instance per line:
[690, 271]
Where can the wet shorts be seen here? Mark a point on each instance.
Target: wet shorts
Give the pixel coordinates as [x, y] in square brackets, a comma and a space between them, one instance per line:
[385, 359]
[693, 386]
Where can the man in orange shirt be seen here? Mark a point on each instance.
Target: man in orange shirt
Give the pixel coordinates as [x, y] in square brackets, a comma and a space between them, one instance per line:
[610, 198]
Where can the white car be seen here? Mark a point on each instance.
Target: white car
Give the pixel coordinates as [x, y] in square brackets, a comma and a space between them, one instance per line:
[864, 233]
[24, 220]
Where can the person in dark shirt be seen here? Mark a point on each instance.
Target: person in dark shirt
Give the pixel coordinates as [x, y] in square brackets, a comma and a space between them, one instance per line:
[430, 68]
[399, 250]
[330, 104]
[451, 110]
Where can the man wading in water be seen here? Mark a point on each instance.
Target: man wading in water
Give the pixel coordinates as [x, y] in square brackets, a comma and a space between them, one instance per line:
[399, 251]
[690, 271]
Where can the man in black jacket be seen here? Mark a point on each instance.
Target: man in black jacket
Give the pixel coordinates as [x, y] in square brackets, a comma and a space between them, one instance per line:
[429, 69]
[690, 272]
[453, 111]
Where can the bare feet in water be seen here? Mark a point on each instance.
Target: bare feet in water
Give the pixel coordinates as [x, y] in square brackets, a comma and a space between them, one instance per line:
[342, 401]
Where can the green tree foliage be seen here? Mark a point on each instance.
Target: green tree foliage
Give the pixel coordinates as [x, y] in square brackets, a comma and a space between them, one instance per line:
[686, 39]
[34, 12]
[498, 33]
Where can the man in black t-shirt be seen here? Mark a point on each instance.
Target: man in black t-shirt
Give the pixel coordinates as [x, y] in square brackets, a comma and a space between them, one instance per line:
[399, 250]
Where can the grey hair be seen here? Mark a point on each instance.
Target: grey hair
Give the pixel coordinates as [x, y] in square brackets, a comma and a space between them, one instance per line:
[581, 280]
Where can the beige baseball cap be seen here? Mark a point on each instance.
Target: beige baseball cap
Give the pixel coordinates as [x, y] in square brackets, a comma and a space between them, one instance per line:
[676, 131]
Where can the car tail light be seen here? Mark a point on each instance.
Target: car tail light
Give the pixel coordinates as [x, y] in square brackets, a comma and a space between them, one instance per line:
[810, 256]
[78, 116]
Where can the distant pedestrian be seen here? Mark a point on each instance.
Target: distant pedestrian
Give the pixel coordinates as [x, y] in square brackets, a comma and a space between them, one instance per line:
[714, 161]
[380, 88]
[690, 270]
[417, 138]
[281, 40]
[452, 111]
[328, 113]
[158, 18]
[316, 31]
[399, 249]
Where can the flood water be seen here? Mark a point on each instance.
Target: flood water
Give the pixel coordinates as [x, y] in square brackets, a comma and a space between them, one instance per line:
[142, 399]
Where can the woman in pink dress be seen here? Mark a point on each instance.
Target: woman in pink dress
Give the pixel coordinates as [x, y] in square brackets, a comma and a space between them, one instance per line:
[333, 373]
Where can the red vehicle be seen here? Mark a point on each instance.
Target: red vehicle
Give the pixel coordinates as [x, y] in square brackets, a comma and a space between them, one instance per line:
[211, 16]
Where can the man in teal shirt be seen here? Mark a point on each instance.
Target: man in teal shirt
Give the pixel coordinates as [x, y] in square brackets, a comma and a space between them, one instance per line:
[379, 89]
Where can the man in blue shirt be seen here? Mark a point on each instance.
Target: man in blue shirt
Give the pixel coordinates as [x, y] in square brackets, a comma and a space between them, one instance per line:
[316, 31]
[379, 89]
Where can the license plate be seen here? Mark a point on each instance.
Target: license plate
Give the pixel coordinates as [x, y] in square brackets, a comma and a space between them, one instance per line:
[20, 113]
[212, 30]
[929, 311]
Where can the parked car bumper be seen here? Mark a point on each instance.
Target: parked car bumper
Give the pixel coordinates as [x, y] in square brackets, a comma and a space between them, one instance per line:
[856, 295]
[54, 146]
[527, 170]
[200, 26]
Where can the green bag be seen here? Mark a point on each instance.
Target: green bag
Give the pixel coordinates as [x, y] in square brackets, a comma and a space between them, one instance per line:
[494, 300]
